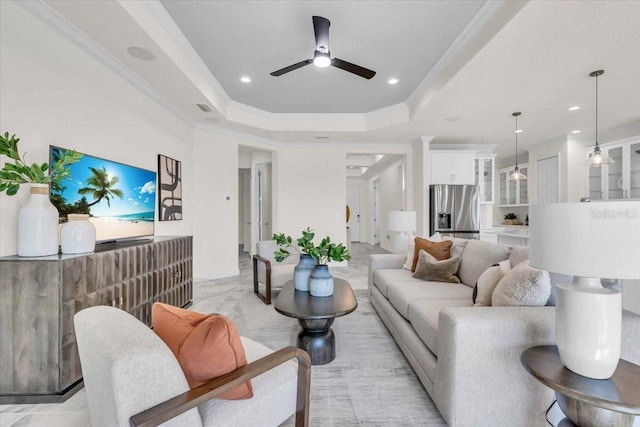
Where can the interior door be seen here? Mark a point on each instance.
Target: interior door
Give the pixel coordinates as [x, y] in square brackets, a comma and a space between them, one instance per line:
[263, 194]
[376, 211]
[353, 202]
[548, 180]
[245, 223]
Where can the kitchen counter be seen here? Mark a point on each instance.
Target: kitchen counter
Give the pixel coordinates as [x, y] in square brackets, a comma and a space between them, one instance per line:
[507, 234]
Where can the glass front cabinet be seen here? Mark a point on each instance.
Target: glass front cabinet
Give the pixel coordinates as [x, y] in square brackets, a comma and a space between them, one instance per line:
[619, 180]
[484, 175]
[513, 193]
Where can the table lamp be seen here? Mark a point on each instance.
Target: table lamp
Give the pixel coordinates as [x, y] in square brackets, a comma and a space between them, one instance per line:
[402, 222]
[589, 241]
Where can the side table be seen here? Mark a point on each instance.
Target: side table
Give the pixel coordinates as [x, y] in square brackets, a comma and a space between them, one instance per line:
[585, 401]
[316, 315]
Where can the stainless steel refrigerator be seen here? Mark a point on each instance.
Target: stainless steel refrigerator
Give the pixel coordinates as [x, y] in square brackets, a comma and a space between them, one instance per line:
[455, 210]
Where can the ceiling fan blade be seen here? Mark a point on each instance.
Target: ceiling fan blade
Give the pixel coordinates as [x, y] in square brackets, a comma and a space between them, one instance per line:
[353, 68]
[291, 67]
[321, 28]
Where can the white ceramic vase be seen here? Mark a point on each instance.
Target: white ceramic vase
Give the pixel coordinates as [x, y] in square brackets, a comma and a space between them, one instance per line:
[38, 224]
[78, 235]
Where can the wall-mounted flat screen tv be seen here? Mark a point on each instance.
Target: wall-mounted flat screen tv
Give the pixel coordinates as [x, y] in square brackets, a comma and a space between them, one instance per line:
[120, 199]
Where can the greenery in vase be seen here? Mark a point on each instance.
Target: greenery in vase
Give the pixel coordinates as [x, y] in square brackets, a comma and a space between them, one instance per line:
[17, 172]
[510, 216]
[323, 253]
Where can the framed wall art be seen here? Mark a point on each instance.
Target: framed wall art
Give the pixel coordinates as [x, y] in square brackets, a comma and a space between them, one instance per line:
[170, 194]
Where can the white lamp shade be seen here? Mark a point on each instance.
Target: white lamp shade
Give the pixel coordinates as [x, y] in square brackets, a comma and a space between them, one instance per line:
[588, 241]
[597, 239]
[401, 221]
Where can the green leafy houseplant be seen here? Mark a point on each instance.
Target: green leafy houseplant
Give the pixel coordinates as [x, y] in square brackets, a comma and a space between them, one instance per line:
[510, 216]
[17, 172]
[323, 253]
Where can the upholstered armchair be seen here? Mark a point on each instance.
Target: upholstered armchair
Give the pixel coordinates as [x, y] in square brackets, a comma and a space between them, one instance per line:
[133, 379]
[268, 272]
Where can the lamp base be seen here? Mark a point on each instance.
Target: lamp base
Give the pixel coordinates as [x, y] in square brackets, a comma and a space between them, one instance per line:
[588, 327]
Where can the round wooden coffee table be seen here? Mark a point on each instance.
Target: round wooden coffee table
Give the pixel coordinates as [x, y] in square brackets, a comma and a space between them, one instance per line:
[586, 401]
[316, 315]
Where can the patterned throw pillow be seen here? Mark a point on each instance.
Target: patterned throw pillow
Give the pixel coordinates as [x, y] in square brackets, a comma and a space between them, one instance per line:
[488, 281]
[429, 268]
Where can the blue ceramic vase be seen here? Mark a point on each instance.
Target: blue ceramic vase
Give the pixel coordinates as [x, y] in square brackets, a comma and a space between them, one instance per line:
[321, 281]
[302, 271]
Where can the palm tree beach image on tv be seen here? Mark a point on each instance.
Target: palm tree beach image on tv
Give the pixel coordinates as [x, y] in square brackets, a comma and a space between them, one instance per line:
[120, 199]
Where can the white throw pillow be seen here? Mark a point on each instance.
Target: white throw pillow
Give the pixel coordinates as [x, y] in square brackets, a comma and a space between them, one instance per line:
[522, 286]
[408, 263]
[488, 281]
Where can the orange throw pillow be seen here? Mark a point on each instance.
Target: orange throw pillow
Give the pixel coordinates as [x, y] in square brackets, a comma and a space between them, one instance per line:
[439, 250]
[206, 346]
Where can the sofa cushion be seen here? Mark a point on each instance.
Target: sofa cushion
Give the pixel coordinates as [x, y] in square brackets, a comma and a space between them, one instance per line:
[458, 245]
[382, 278]
[487, 283]
[423, 316]
[477, 257]
[518, 254]
[274, 395]
[439, 250]
[401, 294]
[428, 268]
[522, 286]
[206, 346]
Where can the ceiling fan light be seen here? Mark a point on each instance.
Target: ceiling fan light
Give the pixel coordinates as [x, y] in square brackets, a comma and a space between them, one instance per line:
[321, 59]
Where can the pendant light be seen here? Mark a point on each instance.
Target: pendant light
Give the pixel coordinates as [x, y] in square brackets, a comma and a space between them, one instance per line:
[516, 175]
[597, 158]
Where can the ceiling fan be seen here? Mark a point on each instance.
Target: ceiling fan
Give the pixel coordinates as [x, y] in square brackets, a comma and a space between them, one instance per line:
[321, 56]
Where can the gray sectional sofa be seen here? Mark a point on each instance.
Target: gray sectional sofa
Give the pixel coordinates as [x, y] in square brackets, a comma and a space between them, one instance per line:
[468, 358]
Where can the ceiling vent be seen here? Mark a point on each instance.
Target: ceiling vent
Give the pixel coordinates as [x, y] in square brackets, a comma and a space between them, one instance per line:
[204, 107]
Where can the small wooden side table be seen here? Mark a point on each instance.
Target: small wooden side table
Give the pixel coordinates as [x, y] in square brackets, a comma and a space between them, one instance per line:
[585, 401]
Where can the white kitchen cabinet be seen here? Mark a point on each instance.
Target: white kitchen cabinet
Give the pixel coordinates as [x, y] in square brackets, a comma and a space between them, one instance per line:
[452, 168]
[484, 176]
[513, 193]
[620, 180]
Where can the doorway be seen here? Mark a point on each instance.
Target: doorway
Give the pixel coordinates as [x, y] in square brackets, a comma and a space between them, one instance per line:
[263, 200]
[353, 204]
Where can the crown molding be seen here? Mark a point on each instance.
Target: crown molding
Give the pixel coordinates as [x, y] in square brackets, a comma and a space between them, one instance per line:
[53, 19]
[491, 18]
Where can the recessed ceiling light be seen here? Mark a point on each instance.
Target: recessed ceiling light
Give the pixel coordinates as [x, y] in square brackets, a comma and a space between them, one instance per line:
[141, 53]
[245, 79]
[518, 130]
[574, 108]
[392, 81]
[576, 131]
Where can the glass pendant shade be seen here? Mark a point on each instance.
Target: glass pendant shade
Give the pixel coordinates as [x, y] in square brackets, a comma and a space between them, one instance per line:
[516, 175]
[597, 158]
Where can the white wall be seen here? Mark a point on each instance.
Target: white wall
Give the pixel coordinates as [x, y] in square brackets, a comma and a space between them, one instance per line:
[53, 92]
[215, 181]
[311, 192]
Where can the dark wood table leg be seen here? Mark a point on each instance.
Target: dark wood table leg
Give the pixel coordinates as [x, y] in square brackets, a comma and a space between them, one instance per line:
[317, 339]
